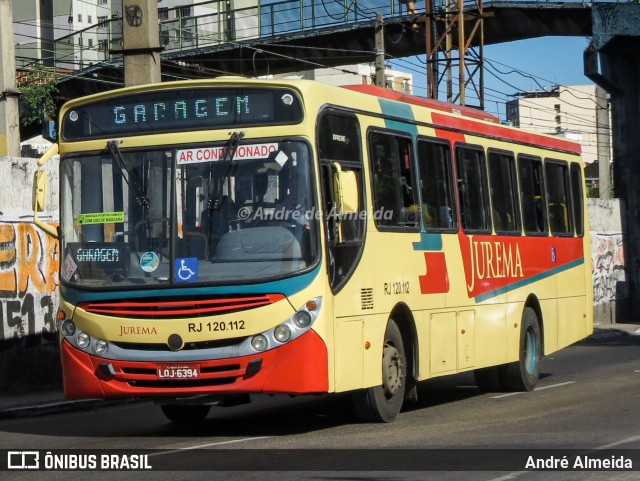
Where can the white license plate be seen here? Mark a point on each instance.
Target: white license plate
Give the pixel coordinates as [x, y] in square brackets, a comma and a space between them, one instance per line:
[178, 372]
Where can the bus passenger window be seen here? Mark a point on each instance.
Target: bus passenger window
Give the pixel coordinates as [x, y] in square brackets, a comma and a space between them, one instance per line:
[504, 203]
[532, 194]
[576, 196]
[472, 188]
[394, 195]
[436, 181]
[558, 197]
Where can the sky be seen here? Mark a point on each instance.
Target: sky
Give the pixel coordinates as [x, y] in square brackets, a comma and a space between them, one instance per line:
[550, 60]
[521, 65]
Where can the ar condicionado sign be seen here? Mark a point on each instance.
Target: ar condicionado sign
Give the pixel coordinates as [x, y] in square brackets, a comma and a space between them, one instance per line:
[213, 154]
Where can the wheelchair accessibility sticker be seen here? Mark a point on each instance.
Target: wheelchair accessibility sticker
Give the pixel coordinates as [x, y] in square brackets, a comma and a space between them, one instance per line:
[186, 269]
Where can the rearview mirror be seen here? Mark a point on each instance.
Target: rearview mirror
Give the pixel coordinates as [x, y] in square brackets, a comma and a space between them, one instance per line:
[39, 190]
[39, 199]
[346, 190]
[345, 187]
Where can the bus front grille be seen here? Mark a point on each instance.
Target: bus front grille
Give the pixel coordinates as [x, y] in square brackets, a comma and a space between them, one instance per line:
[183, 307]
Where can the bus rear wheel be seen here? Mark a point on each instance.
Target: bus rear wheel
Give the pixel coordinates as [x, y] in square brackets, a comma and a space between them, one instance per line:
[185, 413]
[383, 403]
[523, 374]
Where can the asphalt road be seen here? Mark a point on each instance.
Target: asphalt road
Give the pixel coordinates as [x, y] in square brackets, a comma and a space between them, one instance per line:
[588, 399]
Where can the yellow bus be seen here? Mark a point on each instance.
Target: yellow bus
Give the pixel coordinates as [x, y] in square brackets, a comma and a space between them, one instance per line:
[231, 237]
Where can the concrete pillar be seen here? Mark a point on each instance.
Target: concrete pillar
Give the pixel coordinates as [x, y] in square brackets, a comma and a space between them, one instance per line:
[625, 106]
[613, 63]
[141, 42]
[9, 119]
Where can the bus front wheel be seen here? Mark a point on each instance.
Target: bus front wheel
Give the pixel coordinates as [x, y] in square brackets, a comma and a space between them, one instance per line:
[523, 374]
[383, 403]
[185, 413]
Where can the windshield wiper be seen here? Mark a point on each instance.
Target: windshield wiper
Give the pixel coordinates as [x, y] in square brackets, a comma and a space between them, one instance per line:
[213, 203]
[232, 145]
[132, 179]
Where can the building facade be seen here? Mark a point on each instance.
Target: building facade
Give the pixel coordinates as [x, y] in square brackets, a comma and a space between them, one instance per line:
[41, 27]
[355, 74]
[567, 111]
[75, 34]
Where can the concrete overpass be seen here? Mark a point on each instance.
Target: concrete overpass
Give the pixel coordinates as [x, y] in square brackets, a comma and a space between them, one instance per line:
[295, 38]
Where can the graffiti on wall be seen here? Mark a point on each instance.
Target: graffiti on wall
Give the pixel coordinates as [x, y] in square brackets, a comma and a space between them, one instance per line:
[609, 281]
[29, 264]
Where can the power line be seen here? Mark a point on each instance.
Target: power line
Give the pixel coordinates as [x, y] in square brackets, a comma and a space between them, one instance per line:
[352, 7]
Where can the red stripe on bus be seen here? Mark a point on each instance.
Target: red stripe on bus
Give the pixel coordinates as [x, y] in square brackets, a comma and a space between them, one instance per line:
[436, 279]
[506, 133]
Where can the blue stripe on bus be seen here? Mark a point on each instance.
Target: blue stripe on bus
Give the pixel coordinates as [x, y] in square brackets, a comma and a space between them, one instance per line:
[398, 110]
[428, 242]
[529, 280]
[287, 287]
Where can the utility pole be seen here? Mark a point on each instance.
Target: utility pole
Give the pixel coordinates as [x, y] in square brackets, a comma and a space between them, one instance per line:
[380, 68]
[431, 34]
[603, 136]
[9, 118]
[141, 42]
[450, 27]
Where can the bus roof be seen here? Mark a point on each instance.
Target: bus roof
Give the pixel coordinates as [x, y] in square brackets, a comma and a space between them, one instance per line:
[466, 119]
[423, 102]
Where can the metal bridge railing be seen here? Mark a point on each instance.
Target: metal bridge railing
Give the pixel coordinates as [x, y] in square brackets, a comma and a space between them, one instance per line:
[209, 24]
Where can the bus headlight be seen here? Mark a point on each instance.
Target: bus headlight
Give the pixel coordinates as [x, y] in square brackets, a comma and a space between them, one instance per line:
[100, 347]
[302, 319]
[282, 333]
[259, 342]
[83, 340]
[292, 328]
[68, 328]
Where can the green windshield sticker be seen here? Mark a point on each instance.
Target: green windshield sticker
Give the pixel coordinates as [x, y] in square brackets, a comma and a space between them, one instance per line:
[101, 218]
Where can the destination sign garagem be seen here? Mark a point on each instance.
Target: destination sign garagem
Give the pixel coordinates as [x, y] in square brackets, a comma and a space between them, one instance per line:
[96, 259]
[180, 110]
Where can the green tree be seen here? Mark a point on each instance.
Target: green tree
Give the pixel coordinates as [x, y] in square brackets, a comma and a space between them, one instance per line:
[38, 95]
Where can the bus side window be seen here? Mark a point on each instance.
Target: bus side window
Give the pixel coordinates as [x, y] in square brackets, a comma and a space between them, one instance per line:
[339, 142]
[436, 181]
[504, 201]
[558, 199]
[472, 187]
[576, 196]
[532, 195]
[394, 195]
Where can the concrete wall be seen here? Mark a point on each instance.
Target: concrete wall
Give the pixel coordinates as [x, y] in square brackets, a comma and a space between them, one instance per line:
[29, 265]
[610, 291]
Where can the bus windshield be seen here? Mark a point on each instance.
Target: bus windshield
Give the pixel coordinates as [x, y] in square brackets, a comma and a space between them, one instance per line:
[235, 212]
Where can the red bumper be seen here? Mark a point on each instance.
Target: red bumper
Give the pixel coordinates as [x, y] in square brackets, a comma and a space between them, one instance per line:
[299, 367]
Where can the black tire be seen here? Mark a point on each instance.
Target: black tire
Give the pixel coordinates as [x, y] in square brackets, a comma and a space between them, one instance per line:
[185, 413]
[488, 379]
[523, 374]
[383, 403]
